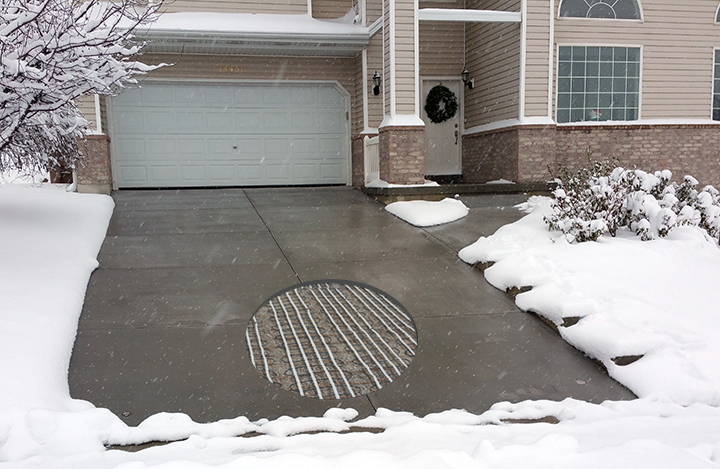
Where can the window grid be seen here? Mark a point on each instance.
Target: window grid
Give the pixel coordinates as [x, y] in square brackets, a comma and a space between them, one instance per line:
[600, 9]
[598, 83]
[716, 87]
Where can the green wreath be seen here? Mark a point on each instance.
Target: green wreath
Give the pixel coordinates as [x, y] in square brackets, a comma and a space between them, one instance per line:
[441, 104]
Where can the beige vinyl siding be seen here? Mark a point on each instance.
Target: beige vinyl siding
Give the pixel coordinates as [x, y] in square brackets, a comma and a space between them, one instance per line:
[441, 45]
[493, 59]
[86, 105]
[237, 6]
[677, 40]
[332, 8]
[375, 62]
[537, 59]
[104, 114]
[373, 10]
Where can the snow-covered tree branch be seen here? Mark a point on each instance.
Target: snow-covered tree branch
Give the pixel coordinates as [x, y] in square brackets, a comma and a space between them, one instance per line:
[52, 52]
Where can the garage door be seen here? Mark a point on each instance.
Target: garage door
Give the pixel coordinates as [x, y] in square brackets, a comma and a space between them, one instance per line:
[192, 135]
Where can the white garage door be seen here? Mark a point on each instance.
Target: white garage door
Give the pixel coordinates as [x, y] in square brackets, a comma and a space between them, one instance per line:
[185, 135]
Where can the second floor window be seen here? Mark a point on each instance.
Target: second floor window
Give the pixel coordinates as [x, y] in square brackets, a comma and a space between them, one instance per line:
[602, 9]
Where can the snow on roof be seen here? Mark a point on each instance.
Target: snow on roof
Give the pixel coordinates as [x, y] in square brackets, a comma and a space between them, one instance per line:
[260, 23]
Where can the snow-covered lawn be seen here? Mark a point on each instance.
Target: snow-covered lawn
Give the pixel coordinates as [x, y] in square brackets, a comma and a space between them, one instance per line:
[654, 299]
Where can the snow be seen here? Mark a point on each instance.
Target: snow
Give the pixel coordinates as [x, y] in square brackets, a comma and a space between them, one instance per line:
[381, 184]
[638, 297]
[657, 299]
[257, 23]
[402, 120]
[427, 213]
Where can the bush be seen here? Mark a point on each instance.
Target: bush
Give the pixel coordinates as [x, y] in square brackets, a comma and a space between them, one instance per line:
[591, 202]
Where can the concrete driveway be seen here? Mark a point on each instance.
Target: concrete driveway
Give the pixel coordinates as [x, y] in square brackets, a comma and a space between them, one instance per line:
[182, 272]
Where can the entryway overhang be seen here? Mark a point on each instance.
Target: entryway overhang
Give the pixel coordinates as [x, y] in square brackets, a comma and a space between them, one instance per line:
[469, 16]
[253, 34]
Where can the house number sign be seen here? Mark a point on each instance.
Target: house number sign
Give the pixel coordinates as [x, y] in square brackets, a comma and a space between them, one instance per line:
[230, 69]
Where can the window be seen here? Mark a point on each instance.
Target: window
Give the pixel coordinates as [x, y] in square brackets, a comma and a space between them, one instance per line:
[717, 15]
[716, 88]
[598, 83]
[603, 9]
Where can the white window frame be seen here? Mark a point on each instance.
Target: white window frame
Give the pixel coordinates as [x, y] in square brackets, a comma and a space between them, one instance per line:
[717, 13]
[574, 18]
[608, 122]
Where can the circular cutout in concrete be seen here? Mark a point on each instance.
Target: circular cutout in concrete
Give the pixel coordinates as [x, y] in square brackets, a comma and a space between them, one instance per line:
[331, 339]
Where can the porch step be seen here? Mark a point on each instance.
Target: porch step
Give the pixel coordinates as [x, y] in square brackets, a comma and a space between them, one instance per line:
[393, 194]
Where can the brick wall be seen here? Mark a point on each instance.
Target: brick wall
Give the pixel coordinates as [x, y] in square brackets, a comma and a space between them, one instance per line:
[490, 156]
[358, 160]
[402, 155]
[523, 154]
[536, 151]
[683, 149]
[93, 171]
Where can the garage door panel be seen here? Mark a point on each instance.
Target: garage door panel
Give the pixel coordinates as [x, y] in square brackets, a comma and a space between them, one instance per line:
[163, 174]
[331, 122]
[194, 148]
[134, 174]
[189, 95]
[129, 121]
[277, 148]
[132, 149]
[199, 134]
[277, 173]
[251, 174]
[276, 96]
[219, 122]
[159, 121]
[247, 96]
[219, 95]
[155, 94]
[276, 122]
[306, 96]
[189, 121]
[331, 171]
[304, 122]
[305, 172]
[248, 121]
[161, 148]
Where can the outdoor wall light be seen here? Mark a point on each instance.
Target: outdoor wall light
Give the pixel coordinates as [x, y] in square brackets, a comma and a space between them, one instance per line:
[377, 80]
[469, 82]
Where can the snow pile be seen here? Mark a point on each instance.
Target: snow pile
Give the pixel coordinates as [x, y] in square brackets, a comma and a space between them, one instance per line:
[50, 240]
[379, 183]
[615, 434]
[257, 23]
[656, 300]
[427, 213]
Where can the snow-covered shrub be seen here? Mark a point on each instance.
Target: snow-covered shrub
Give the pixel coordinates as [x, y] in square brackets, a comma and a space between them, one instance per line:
[602, 199]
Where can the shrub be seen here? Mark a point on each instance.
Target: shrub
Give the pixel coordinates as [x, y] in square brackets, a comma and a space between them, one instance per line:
[591, 202]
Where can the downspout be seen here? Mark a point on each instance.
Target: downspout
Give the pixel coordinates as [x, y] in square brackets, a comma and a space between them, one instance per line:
[551, 64]
[523, 57]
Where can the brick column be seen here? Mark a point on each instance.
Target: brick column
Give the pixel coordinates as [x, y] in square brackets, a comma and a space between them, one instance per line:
[402, 155]
[94, 174]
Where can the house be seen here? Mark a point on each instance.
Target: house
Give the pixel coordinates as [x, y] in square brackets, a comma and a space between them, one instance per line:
[289, 92]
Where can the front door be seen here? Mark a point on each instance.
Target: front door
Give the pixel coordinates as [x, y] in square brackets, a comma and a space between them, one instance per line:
[442, 140]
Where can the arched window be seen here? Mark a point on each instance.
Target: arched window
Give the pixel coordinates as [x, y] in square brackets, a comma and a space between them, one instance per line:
[602, 9]
[717, 15]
